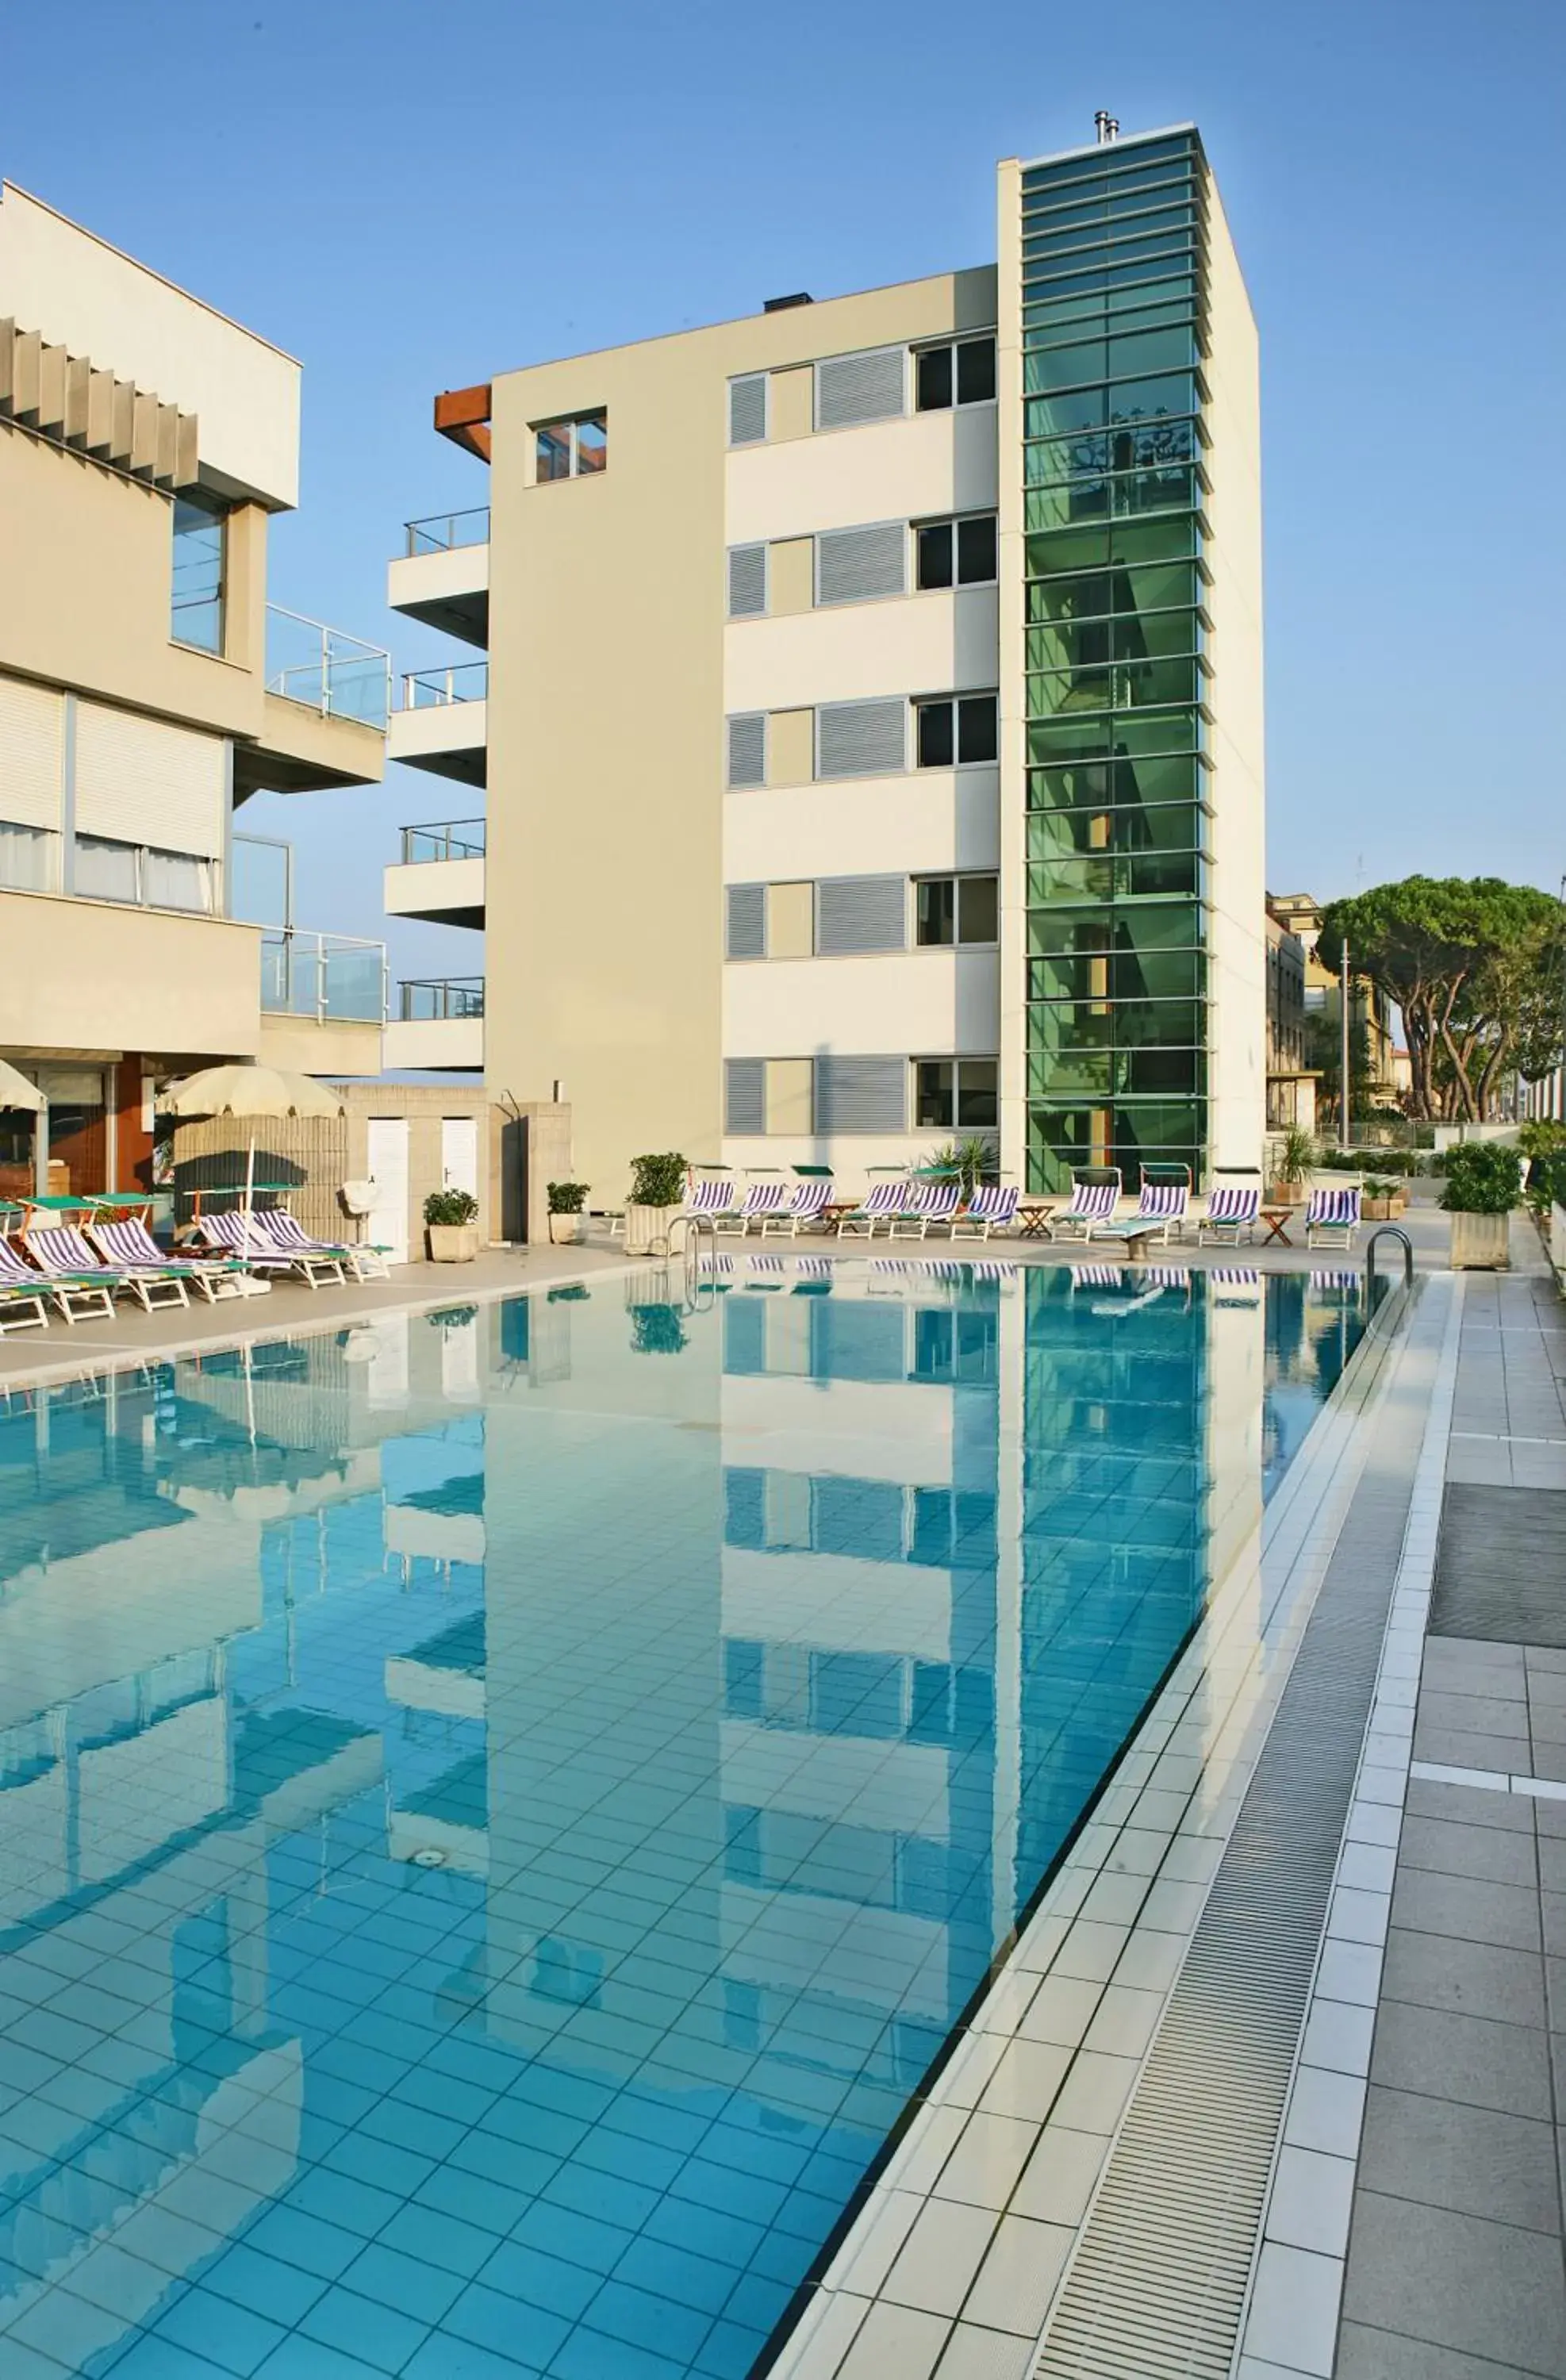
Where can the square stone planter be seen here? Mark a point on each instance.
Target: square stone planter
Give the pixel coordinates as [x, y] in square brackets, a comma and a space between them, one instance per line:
[563, 1229]
[453, 1243]
[1481, 1242]
[647, 1229]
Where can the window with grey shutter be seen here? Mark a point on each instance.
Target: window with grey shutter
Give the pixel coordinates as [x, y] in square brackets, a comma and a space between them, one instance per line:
[860, 912]
[861, 1094]
[865, 388]
[747, 581]
[747, 409]
[854, 566]
[861, 739]
[747, 937]
[744, 1095]
[747, 748]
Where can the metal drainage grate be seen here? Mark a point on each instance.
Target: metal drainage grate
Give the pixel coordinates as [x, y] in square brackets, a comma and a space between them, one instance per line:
[1158, 2286]
[1500, 1563]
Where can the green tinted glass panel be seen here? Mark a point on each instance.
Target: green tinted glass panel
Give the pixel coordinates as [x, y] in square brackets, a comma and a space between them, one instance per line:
[1159, 826]
[1089, 597]
[1114, 686]
[1119, 975]
[1157, 397]
[1077, 933]
[1134, 636]
[1171, 539]
[1104, 1025]
[1109, 785]
[1133, 446]
[1116, 1073]
[1053, 367]
[1063, 1136]
[1115, 876]
[1086, 227]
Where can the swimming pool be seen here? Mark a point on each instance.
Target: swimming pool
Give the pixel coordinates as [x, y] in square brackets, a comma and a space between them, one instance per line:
[500, 1811]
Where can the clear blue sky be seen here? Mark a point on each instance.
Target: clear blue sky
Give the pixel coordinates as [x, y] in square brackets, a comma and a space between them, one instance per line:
[409, 197]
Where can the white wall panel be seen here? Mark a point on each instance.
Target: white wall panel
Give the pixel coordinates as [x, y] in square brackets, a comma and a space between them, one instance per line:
[926, 463]
[934, 818]
[911, 644]
[920, 1004]
[143, 781]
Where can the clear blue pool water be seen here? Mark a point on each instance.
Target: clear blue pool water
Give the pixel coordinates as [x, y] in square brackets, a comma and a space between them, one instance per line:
[500, 1811]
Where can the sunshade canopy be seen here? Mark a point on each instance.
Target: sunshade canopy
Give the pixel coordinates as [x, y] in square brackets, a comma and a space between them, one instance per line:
[250, 1091]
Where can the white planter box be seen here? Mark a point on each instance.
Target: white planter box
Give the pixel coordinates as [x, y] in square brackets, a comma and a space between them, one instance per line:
[647, 1229]
[1480, 1243]
[453, 1243]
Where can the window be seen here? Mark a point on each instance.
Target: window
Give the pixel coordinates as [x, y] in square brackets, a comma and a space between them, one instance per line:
[747, 932]
[856, 565]
[572, 450]
[176, 880]
[747, 581]
[861, 739]
[864, 387]
[197, 584]
[956, 1094]
[26, 857]
[957, 553]
[747, 748]
[860, 1095]
[105, 871]
[962, 373]
[958, 728]
[956, 909]
[747, 409]
[860, 912]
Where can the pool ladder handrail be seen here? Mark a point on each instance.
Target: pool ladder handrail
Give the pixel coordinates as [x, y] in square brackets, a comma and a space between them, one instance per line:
[691, 1249]
[1387, 1231]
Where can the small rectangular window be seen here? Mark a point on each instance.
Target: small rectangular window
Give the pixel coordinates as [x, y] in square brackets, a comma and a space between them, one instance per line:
[979, 1107]
[934, 1095]
[748, 749]
[744, 1095]
[955, 909]
[955, 729]
[960, 553]
[956, 1094]
[978, 909]
[746, 936]
[859, 565]
[978, 730]
[865, 387]
[578, 449]
[861, 1095]
[861, 739]
[860, 912]
[747, 581]
[107, 870]
[935, 555]
[937, 735]
[747, 409]
[201, 531]
[962, 372]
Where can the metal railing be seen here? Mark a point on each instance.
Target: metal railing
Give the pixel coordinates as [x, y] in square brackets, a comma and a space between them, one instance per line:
[432, 689]
[332, 977]
[341, 676]
[443, 532]
[431, 1000]
[454, 839]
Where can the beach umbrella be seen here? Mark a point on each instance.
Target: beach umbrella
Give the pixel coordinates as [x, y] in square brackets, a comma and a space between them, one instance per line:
[255, 1093]
[16, 1091]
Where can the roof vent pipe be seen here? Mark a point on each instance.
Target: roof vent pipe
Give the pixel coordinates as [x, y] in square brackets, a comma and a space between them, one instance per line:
[1107, 127]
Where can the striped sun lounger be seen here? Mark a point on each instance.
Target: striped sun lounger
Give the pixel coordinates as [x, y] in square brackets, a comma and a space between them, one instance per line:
[21, 1288]
[711, 1196]
[61, 1249]
[1333, 1218]
[131, 1244]
[1232, 1208]
[803, 1209]
[232, 1233]
[93, 1296]
[1160, 1210]
[761, 1200]
[1090, 1203]
[365, 1261]
[992, 1207]
[882, 1201]
[932, 1206]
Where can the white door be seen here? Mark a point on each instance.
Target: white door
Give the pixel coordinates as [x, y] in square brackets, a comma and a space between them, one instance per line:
[387, 1223]
[459, 1154]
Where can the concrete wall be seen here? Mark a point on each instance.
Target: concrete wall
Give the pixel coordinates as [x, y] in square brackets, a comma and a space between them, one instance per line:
[86, 974]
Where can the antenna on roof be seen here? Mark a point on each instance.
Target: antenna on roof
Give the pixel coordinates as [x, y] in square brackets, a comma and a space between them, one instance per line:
[1106, 125]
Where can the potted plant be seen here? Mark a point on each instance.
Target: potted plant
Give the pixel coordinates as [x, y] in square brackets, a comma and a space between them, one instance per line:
[1294, 1156]
[451, 1221]
[658, 1189]
[1484, 1182]
[1382, 1199]
[566, 1203]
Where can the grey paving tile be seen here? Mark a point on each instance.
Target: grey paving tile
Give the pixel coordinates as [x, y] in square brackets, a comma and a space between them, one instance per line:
[1477, 1977]
[1552, 1860]
[1466, 1909]
[895, 2343]
[1547, 1760]
[1493, 1854]
[1095, 2092]
[1473, 2058]
[1480, 2288]
[1453, 1748]
[976, 2354]
[1061, 2175]
[1365, 2354]
[1018, 2277]
[1539, 1658]
[1552, 1908]
[1469, 2160]
[1549, 1815]
[940, 2257]
[1469, 1806]
[1555, 1992]
[1473, 1714]
[983, 2169]
[1455, 1651]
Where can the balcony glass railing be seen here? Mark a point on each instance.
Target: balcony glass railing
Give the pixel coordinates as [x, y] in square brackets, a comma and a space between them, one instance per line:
[331, 977]
[339, 676]
[432, 689]
[428, 1000]
[454, 839]
[442, 533]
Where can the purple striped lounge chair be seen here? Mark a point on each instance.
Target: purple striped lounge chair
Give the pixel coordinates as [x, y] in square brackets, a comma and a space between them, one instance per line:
[805, 1207]
[364, 1260]
[882, 1201]
[1093, 1201]
[61, 1249]
[1160, 1209]
[93, 1296]
[931, 1207]
[761, 1200]
[129, 1244]
[1232, 1208]
[713, 1197]
[20, 1287]
[260, 1250]
[992, 1207]
[1333, 1218]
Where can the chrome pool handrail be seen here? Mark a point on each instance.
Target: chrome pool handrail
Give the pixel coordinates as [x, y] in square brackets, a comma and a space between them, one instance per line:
[1387, 1231]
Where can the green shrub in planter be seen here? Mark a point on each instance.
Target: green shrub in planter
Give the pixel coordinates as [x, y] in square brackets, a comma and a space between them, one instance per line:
[567, 1198]
[451, 1208]
[1482, 1177]
[658, 1180]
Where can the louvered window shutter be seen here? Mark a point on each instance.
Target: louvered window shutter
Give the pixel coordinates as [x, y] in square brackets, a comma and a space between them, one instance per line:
[865, 388]
[747, 748]
[860, 912]
[744, 1095]
[854, 566]
[748, 921]
[861, 1094]
[32, 741]
[747, 409]
[747, 581]
[861, 739]
[142, 781]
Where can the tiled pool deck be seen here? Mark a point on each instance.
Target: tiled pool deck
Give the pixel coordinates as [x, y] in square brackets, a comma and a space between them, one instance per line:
[1414, 2225]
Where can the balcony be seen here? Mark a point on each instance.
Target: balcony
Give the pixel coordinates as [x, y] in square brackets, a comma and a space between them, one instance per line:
[442, 578]
[323, 1001]
[440, 1024]
[441, 876]
[442, 722]
[325, 706]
